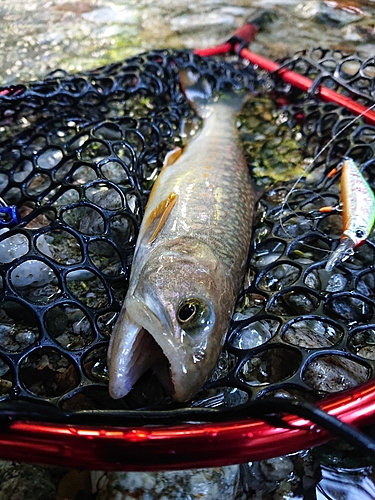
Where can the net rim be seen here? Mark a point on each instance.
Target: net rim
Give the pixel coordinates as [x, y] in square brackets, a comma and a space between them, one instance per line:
[182, 446]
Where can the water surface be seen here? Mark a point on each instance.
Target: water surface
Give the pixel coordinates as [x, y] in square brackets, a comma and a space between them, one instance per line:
[39, 36]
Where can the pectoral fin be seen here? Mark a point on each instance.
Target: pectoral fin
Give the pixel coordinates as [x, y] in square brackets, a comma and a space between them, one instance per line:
[172, 156]
[158, 217]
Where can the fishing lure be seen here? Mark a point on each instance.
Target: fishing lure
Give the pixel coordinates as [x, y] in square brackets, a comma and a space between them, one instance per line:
[358, 211]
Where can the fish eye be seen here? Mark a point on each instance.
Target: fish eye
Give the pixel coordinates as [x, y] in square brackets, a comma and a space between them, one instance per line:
[194, 314]
[187, 312]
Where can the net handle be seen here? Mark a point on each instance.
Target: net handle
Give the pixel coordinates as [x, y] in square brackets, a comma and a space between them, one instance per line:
[238, 43]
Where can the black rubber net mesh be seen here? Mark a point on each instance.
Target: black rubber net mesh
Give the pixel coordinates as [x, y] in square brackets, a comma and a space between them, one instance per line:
[79, 154]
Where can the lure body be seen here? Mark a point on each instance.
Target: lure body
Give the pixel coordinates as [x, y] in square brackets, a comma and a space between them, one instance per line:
[358, 212]
[189, 260]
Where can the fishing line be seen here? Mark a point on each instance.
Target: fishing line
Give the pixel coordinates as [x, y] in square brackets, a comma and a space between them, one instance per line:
[308, 168]
[323, 492]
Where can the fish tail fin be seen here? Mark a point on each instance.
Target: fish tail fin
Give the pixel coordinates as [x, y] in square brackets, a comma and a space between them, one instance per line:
[201, 94]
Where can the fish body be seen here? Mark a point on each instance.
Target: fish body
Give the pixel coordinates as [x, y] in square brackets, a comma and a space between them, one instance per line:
[358, 212]
[189, 260]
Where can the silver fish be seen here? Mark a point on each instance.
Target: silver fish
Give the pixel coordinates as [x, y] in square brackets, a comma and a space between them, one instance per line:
[190, 256]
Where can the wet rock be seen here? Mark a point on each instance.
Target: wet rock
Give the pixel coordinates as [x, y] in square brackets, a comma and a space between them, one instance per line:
[249, 305]
[328, 13]
[274, 364]
[254, 334]
[112, 14]
[334, 373]
[15, 339]
[312, 333]
[268, 251]
[277, 468]
[293, 227]
[276, 478]
[292, 302]
[191, 22]
[25, 482]
[279, 277]
[210, 484]
[312, 280]
[363, 343]
[337, 283]
[350, 308]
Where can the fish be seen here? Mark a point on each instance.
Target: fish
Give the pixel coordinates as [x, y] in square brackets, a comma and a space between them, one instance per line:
[358, 211]
[190, 256]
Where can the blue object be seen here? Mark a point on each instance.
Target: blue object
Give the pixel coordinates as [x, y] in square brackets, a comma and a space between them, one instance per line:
[9, 216]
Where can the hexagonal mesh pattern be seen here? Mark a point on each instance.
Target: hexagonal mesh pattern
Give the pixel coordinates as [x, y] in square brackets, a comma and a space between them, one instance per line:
[79, 154]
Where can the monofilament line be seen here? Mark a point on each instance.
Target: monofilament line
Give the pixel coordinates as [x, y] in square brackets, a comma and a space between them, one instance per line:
[308, 168]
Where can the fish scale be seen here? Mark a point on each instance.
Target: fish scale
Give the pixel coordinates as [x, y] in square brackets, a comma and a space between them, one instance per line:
[209, 182]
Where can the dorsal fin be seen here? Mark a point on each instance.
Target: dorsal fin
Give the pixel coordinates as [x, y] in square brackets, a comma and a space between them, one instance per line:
[158, 217]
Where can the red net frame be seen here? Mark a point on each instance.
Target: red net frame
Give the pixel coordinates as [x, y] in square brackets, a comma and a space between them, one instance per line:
[145, 448]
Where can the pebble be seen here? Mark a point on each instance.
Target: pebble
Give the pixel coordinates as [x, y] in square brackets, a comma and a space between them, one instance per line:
[25, 482]
[13, 247]
[194, 484]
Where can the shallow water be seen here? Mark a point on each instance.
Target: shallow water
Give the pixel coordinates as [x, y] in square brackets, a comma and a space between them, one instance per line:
[39, 36]
[346, 484]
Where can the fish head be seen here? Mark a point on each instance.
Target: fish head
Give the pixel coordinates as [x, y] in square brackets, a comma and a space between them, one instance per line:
[183, 301]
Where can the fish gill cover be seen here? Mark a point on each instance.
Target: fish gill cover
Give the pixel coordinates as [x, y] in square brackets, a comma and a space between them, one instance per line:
[79, 154]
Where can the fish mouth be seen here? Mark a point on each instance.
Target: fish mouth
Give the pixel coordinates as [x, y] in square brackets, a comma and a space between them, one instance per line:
[135, 348]
[132, 351]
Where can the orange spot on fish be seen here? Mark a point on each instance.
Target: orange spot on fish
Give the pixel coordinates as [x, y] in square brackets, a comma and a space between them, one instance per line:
[172, 156]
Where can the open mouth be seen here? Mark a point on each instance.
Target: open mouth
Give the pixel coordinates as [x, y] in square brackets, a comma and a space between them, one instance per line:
[131, 355]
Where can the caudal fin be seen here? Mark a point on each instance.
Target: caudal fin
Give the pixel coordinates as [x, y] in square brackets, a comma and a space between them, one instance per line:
[201, 94]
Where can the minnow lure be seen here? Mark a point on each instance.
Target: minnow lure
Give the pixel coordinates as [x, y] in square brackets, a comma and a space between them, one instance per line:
[358, 212]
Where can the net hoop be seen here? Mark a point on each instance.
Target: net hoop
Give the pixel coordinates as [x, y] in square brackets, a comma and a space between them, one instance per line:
[152, 448]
